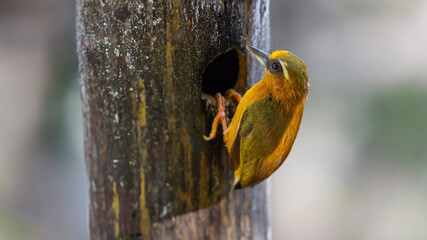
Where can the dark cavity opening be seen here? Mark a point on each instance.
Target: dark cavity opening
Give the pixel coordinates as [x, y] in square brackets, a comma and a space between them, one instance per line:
[222, 73]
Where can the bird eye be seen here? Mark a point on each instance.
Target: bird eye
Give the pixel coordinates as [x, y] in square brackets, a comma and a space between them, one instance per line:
[275, 66]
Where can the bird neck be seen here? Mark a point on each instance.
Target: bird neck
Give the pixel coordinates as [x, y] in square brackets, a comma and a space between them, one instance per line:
[288, 95]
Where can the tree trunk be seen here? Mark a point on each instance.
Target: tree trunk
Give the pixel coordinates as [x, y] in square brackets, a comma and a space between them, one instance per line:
[143, 65]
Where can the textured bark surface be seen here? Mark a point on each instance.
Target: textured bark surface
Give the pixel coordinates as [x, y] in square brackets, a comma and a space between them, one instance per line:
[152, 176]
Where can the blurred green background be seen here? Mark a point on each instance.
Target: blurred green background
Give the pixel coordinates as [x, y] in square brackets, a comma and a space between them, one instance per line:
[358, 169]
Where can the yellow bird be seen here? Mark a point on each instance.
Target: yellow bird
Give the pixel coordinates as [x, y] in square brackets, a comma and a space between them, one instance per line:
[267, 119]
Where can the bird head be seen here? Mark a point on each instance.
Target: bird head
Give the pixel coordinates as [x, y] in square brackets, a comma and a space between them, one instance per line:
[284, 68]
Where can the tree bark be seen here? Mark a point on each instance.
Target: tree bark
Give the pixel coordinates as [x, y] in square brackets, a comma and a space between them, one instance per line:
[152, 176]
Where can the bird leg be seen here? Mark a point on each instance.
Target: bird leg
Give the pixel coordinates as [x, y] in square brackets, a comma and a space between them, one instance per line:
[220, 116]
[231, 93]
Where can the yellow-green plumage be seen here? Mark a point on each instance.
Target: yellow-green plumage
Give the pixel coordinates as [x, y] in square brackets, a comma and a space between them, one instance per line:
[263, 129]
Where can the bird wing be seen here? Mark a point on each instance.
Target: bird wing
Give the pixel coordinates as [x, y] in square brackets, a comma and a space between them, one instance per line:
[261, 129]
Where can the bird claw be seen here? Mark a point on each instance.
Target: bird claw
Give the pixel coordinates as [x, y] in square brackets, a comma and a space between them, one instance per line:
[220, 116]
[231, 93]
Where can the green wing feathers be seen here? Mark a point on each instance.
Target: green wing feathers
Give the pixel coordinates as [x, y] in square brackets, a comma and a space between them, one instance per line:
[261, 129]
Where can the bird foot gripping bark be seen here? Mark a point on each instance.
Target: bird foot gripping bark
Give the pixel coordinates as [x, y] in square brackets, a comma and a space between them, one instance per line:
[231, 93]
[220, 116]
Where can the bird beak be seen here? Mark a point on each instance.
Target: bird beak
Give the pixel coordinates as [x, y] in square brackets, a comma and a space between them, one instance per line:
[261, 56]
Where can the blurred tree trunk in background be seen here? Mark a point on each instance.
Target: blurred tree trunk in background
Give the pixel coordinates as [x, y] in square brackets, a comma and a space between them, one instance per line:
[141, 70]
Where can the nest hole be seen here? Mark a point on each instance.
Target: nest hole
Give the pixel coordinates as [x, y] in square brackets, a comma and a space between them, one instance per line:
[222, 73]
